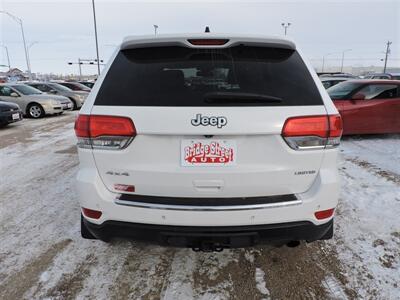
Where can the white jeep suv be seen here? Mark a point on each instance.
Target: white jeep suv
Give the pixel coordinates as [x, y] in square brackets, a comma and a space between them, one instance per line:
[210, 142]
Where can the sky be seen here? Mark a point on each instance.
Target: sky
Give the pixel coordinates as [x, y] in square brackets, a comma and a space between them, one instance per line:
[59, 31]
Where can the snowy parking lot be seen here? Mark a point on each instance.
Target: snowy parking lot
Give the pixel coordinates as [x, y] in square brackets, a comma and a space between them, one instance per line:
[43, 256]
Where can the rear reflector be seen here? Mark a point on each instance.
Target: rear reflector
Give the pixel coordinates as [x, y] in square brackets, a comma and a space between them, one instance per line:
[105, 132]
[208, 42]
[124, 188]
[324, 214]
[90, 213]
[312, 132]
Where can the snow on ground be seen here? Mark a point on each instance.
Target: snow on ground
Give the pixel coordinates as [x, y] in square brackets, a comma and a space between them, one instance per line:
[43, 257]
[261, 285]
[368, 223]
[377, 151]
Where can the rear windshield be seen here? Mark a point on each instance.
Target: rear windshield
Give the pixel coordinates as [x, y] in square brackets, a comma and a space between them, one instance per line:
[236, 76]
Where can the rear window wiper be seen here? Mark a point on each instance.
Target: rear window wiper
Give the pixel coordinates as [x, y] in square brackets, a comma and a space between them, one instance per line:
[237, 97]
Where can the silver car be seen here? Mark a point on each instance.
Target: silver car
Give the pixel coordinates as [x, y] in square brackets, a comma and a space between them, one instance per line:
[33, 102]
[77, 97]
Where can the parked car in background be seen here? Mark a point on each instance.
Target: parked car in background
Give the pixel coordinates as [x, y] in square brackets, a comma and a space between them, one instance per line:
[75, 86]
[337, 74]
[77, 97]
[331, 81]
[392, 76]
[9, 113]
[368, 106]
[32, 102]
[89, 84]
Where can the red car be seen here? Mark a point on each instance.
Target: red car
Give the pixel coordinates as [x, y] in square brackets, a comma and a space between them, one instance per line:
[368, 106]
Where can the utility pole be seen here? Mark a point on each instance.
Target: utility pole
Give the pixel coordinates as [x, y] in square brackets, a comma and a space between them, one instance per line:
[387, 54]
[155, 29]
[95, 34]
[286, 26]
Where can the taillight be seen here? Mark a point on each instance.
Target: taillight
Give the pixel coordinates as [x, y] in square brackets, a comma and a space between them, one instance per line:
[104, 132]
[208, 42]
[312, 132]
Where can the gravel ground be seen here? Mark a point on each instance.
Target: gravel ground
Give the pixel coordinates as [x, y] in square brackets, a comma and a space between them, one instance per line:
[42, 254]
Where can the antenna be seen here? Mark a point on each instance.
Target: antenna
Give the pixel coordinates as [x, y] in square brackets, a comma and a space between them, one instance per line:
[207, 29]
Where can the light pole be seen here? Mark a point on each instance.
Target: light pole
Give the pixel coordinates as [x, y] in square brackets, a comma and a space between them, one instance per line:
[19, 21]
[95, 34]
[341, 67]
[155, 29]
[285, 26]
[323, 60]
[28, 50]
[8, 57]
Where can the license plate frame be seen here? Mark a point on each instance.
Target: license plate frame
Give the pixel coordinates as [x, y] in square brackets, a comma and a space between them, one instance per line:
[208, 153]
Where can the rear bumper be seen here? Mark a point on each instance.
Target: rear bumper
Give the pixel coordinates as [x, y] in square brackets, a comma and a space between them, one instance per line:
[213, 238]
[7, 117]
[51, 110]
[67, 106]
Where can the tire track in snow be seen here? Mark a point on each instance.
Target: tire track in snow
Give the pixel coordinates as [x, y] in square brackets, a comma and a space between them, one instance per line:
[388, 175]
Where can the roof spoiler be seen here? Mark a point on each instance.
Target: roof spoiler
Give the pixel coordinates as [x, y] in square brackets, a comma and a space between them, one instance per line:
[183, 41]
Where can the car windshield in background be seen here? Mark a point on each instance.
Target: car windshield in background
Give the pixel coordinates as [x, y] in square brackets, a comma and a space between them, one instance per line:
[59, 87]
[342, 90]
[26, 89]
[236, 76]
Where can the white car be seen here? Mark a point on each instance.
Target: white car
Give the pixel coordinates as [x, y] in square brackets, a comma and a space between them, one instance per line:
[209, 142]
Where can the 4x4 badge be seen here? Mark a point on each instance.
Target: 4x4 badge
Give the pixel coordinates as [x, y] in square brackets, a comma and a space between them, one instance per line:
[205, 121]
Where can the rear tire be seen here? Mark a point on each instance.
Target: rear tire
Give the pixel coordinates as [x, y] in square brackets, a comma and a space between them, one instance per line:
[35, 111]
[85, 233]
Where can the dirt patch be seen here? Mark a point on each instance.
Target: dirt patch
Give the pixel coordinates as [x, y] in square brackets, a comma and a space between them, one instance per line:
[387, 260]
[69, 150]
[236, 278]
[378, 242]
[144, 273]
[390, 176]
[71, 284]
[19, 283]
[301, 272]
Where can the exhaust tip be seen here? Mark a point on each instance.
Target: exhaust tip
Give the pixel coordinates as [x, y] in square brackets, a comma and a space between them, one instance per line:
[293, 244]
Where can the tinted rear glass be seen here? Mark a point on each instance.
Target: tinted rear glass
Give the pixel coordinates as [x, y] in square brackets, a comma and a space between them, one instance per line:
[179, 76]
